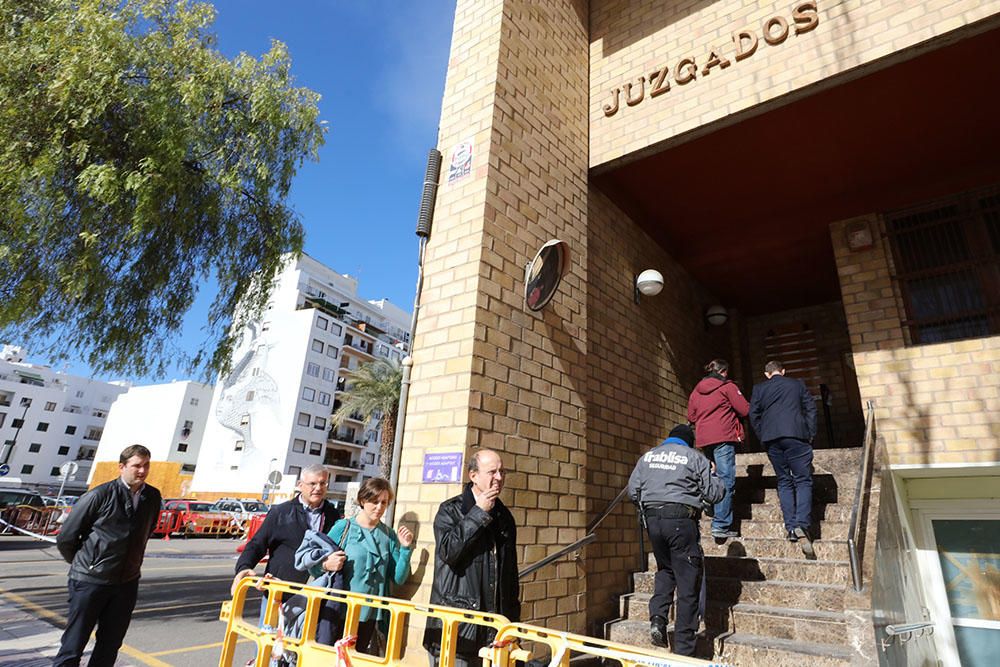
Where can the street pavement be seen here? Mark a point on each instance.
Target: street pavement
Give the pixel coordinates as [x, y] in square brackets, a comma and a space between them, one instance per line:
[176, 620]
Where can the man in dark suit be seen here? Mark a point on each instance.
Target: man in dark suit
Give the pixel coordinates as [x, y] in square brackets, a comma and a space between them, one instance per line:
[104, 540]
[783, 413]
[284, 527]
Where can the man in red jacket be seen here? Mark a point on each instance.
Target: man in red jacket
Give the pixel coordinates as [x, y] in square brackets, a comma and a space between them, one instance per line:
[715, 406]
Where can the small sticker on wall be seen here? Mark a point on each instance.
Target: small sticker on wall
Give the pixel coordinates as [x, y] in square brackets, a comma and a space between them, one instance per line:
[460, 164]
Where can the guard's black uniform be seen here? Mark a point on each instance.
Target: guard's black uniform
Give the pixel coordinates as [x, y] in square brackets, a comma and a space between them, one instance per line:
[669, 484]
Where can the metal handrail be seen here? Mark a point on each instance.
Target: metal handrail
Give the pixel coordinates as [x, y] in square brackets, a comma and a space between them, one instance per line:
[582, 542]
[866, 450]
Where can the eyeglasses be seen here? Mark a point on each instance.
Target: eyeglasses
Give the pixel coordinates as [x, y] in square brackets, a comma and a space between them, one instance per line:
[315, 484]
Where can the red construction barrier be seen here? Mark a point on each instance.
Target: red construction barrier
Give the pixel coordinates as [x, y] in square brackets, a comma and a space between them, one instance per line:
[167, 523]
[253, 525]
[38, 520]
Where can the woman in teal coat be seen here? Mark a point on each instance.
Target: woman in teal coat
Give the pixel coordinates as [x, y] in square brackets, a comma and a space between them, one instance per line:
[373, 554]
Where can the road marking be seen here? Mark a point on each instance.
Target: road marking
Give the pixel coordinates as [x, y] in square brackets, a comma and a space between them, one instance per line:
[224, 563]
[177, 606]
[53, 616]
[202, 647]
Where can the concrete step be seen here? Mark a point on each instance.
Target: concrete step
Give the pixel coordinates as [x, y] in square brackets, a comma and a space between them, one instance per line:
[745, 650]
[826, 627]
[824, 460]
[822, 511]
[794, 594]
[636, 633]
[772, 547]
[774, 569]
[831, 530]
[826, 489]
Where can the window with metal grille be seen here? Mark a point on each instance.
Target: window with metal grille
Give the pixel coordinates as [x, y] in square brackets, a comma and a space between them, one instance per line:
[947, 257]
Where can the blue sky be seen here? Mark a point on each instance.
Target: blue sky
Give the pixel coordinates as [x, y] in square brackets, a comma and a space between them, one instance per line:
[380, 67]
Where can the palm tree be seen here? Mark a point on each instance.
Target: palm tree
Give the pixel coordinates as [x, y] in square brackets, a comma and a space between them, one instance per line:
[373, 392]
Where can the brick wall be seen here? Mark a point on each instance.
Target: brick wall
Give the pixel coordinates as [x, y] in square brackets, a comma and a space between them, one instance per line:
[643, 361]
[630, 40]
[936, 404]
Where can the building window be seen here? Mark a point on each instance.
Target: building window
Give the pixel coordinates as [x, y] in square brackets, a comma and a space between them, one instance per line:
[369, 458]
[299, 446]
[336, 329]
[331, 351]
[100, 414]
[16, 422]
[50, 406]
[317, 345]
[304, 419]
[322, 322]
[250, 395]
[324, 398]
[35, 447]
[320, 423]
[947, 261]
[93, 433]
[79, 394]
[294, 471]
[329, 374]
[245, 420]
[238, 447]
[42, 426]
[55, 471]
[315, 448]
[3, 418]
[312, 370]
[182, 447]
[63, 451]
[70, 430]
[188, 424]
[308, 394]
[266, 326]
[26, 469]
[193, 401]
[25, 402]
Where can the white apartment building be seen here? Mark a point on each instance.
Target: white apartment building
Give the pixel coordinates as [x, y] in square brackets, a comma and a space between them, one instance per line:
[272, 412]
[48, 418]
[167, 418]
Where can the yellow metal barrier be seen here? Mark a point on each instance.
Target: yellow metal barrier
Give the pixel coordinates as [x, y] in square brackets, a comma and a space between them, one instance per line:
[506, 651]
[564, 645]
[312, 654]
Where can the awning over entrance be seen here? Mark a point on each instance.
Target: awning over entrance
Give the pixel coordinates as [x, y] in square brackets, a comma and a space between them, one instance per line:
[746, 209]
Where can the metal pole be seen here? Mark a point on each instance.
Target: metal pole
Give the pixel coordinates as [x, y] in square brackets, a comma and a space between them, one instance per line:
[404, 389]
[62, 482]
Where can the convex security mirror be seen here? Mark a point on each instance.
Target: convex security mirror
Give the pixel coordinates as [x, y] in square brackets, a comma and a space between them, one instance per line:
[543, 275]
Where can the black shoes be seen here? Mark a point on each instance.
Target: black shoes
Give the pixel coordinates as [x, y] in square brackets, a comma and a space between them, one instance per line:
[792, 537]
[805, 542]
[725, 534]
[658, 631]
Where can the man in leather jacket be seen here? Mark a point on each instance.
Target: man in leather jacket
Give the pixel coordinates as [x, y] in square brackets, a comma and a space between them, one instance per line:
[104, 540]
[475, 564]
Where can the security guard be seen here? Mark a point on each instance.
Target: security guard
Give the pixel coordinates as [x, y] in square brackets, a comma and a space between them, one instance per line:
[669, 484]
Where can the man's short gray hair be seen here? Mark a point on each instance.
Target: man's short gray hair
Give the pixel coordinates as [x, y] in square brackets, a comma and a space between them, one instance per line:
[314, 469]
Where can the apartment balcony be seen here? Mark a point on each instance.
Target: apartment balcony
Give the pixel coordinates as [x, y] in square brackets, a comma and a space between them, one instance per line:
[356, 349]
[345, 440]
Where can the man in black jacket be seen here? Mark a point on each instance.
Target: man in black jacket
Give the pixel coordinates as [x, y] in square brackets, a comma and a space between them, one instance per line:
[104, 540]
[783, 413]
[475, 563]
[284, 527]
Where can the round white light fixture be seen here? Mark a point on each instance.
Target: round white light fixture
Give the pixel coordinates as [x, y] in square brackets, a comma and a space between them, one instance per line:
[648, 283]
[716, 315]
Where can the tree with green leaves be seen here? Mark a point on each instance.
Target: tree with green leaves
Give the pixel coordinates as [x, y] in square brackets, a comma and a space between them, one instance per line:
[137, 163]
[372, 392]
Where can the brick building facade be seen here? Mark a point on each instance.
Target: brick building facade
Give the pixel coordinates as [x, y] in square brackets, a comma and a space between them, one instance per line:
[763, 156]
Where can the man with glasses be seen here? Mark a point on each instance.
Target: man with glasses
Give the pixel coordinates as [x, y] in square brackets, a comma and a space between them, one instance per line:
[284, 527]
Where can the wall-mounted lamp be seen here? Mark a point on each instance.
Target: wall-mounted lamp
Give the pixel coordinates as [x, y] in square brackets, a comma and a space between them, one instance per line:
[648, 283]
[716, 315]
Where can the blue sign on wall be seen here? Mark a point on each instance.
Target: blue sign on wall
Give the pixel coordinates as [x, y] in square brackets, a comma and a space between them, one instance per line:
[4, 469]
[442, 468]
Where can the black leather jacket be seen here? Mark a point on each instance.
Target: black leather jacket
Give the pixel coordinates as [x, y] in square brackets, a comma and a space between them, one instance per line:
[104, 539]
[280, 535]
[475, 567]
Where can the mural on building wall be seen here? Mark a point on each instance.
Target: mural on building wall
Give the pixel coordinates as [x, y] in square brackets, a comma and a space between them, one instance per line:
[247, 392]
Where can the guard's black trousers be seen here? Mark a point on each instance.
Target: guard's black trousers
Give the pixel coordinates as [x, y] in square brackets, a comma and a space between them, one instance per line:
[678, 567]
[109, 607]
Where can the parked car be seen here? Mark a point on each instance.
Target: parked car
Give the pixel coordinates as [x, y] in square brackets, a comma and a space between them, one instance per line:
[11, 497]
[240, 509]
[197, 517]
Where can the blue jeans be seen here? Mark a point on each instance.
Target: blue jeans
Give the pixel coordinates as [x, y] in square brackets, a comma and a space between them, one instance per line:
[724, 457]
[792, 460]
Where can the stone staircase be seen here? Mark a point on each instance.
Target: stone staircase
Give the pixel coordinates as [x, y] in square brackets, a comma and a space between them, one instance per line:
[767, 604]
